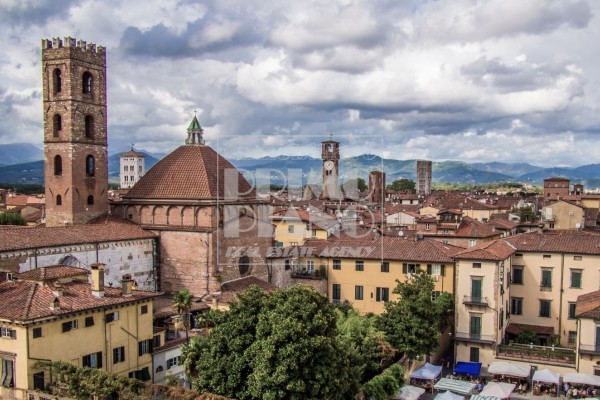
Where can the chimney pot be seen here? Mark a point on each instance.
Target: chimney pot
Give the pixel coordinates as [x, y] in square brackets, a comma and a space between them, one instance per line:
[127, 286]
[98, 279]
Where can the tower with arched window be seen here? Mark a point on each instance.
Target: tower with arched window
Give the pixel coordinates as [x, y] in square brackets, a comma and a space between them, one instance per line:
[75, 134]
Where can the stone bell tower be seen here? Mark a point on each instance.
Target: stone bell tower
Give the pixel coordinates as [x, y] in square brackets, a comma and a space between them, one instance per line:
[330, 154]
[75, 133]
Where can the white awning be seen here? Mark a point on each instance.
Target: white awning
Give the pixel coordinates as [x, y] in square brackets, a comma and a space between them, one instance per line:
[408, 393]
[448, 396]
[501, 390]
[546, 376]
[510, 369]
[584, 379]
[427, 371]
[454, 385]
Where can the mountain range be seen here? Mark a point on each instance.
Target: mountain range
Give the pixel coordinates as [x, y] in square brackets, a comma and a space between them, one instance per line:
[21, 163]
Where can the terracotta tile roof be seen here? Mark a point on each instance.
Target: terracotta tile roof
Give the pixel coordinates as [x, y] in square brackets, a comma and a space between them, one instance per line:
[497, 250]
[24, 301]
[515, 329]
[19, 238]
[52, 272]
[170, 345]
[132, 153]
[385, 248]
[194, 172]
[473, 228]
[163, 306]
[588, 306]
[231, 289]
[558, 241]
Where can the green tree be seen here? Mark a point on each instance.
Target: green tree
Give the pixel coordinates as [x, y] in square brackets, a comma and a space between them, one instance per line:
[411, 324]
[445, 305]
[298, 353]
[11, 218]
[527, 336]
[355, 184]
[403, 184]
[182, 302]
[221, 363]
[526, 214]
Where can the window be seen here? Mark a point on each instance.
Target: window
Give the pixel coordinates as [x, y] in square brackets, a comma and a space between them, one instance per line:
[577, 258]
[545, 308]
[572, 310]
[93, 360]
[118, 354]
[382, 294]
[435, 294]
[144, 309]
[156, 341]
[474, 354]
[476, 286]
[385, 266]
[113, 316]
[57, 165]
[90, 200]
[8, 333]
[145, 347]
[57, 80]
[476, 265]
[86, 83]
[171, 362]
[89, 321]
[517, 275]
[519, 255]
[359, 265]
[337, 264]
[56, 125]
[358, 292]
[410, 268]
[501, 317]
[89, 127]
[547, 256]
[475, 325]
[572, 337]
[546, 278]
[472, 242]
[516, 305]
[336, 292]
[427, 226]
[244, 265]
[310, 266]
[435, 269]
[39, 382]
[290, 228]
[314, 233]
[37, 333]
[7, 379]
[576, 278]
[90, 167]
[69, 326]
[58, 200]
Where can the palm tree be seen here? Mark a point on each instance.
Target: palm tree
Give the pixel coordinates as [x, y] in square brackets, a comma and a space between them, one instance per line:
[182, 301]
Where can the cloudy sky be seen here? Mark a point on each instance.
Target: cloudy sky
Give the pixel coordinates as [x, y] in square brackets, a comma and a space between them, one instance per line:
[469, 80]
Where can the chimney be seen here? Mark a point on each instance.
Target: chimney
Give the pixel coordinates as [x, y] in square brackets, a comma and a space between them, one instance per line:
[55, 304]
[127, 286]
[98, 280]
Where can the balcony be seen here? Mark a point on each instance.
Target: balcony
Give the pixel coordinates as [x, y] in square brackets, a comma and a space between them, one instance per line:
[474, 338]
[300, 271]
[475, 301]
[540, 354]
[545, 288]
[589, 349]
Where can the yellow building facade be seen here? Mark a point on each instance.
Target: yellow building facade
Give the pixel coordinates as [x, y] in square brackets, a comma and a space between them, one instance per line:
[294, 226]
[54, 314]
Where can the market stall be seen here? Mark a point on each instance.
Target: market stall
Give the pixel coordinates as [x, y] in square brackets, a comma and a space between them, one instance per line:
[501, 390]
[426, 376]
[546, 382]
[408, 393]
[456, 386]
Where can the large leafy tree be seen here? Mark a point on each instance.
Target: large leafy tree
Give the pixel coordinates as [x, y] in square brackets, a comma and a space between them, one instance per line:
[298, 353]
[411, 323]
[403, 184]
[182, 302]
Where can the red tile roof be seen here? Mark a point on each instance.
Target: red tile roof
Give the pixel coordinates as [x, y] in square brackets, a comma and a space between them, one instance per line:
[588, 305]
[24, 301]
[515, 329]
[20, 238]
[163, 306]
[52, 272]
[559, 241]
[193, 172]
[497, 250]
[473, 228]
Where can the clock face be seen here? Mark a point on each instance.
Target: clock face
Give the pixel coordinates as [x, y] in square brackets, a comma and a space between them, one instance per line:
[328, 165]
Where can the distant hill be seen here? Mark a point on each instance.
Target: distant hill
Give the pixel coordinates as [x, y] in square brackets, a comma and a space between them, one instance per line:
[516, 169]
[18, 153]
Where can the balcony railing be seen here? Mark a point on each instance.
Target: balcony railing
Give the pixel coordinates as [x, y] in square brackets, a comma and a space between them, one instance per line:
[301, 271]
[545, 288]
[474, 337]
[589, 349]
[472, 300]
[542, 354]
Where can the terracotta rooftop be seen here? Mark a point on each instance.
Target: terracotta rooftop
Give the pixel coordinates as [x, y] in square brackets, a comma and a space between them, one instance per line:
[231, 289]
[163, 306]
[588, 305]
[24, 301]
[559, 241]
[496, 250]
[515, 329]
[192, 172]
[52, 272]
[473, 228]
[21, 237]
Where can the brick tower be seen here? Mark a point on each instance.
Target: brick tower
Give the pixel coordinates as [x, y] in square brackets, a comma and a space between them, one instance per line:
[75, 134]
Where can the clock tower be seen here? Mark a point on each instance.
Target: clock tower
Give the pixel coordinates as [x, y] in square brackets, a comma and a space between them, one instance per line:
[330, 154]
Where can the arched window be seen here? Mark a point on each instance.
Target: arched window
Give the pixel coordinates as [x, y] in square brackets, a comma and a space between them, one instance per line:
[57, 165]
[89, 166]
[57, 80]
[87, 83]
[58, 200]
[90, 200]
[89, 127]
[244, 265]
[56, 125]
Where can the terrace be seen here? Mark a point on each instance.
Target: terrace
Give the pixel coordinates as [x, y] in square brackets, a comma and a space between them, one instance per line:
[541, 354]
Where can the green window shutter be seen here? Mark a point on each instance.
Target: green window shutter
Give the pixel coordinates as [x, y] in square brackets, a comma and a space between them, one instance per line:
[405, 268]
[428, 269]
[443, 270]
